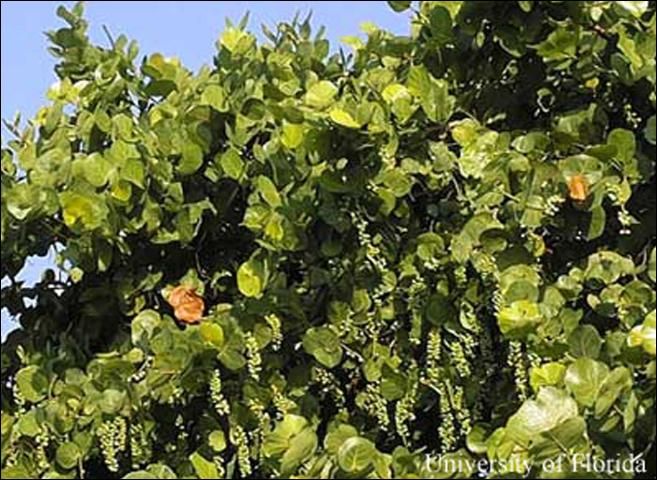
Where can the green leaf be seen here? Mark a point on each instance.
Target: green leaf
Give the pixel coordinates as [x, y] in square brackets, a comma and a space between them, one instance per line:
[560, 45]
[584, 378]
[68, 454]
[158, 470]
[133, 171]
[300, 449]
[465, 131]
[274, 228]
[480, 147]
[597, 223]
[585, 341]
[552, 407]
[476, 439]
[356, 454]
[398, 182]
[530, 142]
[320, 95]
[88, 211]
[439, 310]
[586, 165]
[32, 383]
[292, 135]
[191, 160]
[212, 333]
[644, 335]
[236, 41]
[139, 475]
[434, 96]
[337, 436]
[625, 145]
[268, 191]
[393, 384]
[28, 424]
[231, 356]
[21, 200]
[519, 318]
[324, 345]
[217, 440]
[395, 92]
[649, 130]
[204, 468]
[159, 67]
[214, 96]
[624, 142]
[440, 23]
[399, 6]
[550, 373]
[121, 190]
[112, 401]
[400, 101]
[105, 254]
[232, 164]
[565, 436]
[277, 442]
[526, 6]
[636, 8]
[94, 168]
[607, 267]
[343, 118]
[652, 266]
[251, 278]
[103, 121]
[143, 326]
[618, 381]
[123, 127]
[437, 103]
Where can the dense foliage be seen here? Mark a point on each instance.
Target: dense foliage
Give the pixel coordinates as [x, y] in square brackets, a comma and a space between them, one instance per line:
[314, 264]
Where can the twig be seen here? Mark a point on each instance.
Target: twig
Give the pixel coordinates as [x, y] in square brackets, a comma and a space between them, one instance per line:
[109, 36]
[12, 129]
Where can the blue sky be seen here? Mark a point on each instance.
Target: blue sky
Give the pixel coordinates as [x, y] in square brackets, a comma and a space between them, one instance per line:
[187, 30]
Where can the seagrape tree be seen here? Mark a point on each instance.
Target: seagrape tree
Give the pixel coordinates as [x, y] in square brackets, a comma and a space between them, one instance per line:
[310, 262]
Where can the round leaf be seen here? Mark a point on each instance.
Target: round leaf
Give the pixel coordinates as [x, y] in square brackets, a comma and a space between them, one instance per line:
[356, 454]
[68, 455]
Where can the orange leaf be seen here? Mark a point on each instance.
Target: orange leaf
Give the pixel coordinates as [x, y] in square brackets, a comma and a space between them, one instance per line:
[187, 305]
[578, 188]
[176, 296]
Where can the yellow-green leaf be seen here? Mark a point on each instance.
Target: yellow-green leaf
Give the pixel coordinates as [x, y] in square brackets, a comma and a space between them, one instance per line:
[268, 191]
[292, 135]
[343, 118]
[320, 95]
[251, 278]
[232, 164]
[214, 96]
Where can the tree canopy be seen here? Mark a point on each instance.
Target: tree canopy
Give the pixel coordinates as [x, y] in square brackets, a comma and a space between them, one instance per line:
[309, 262]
